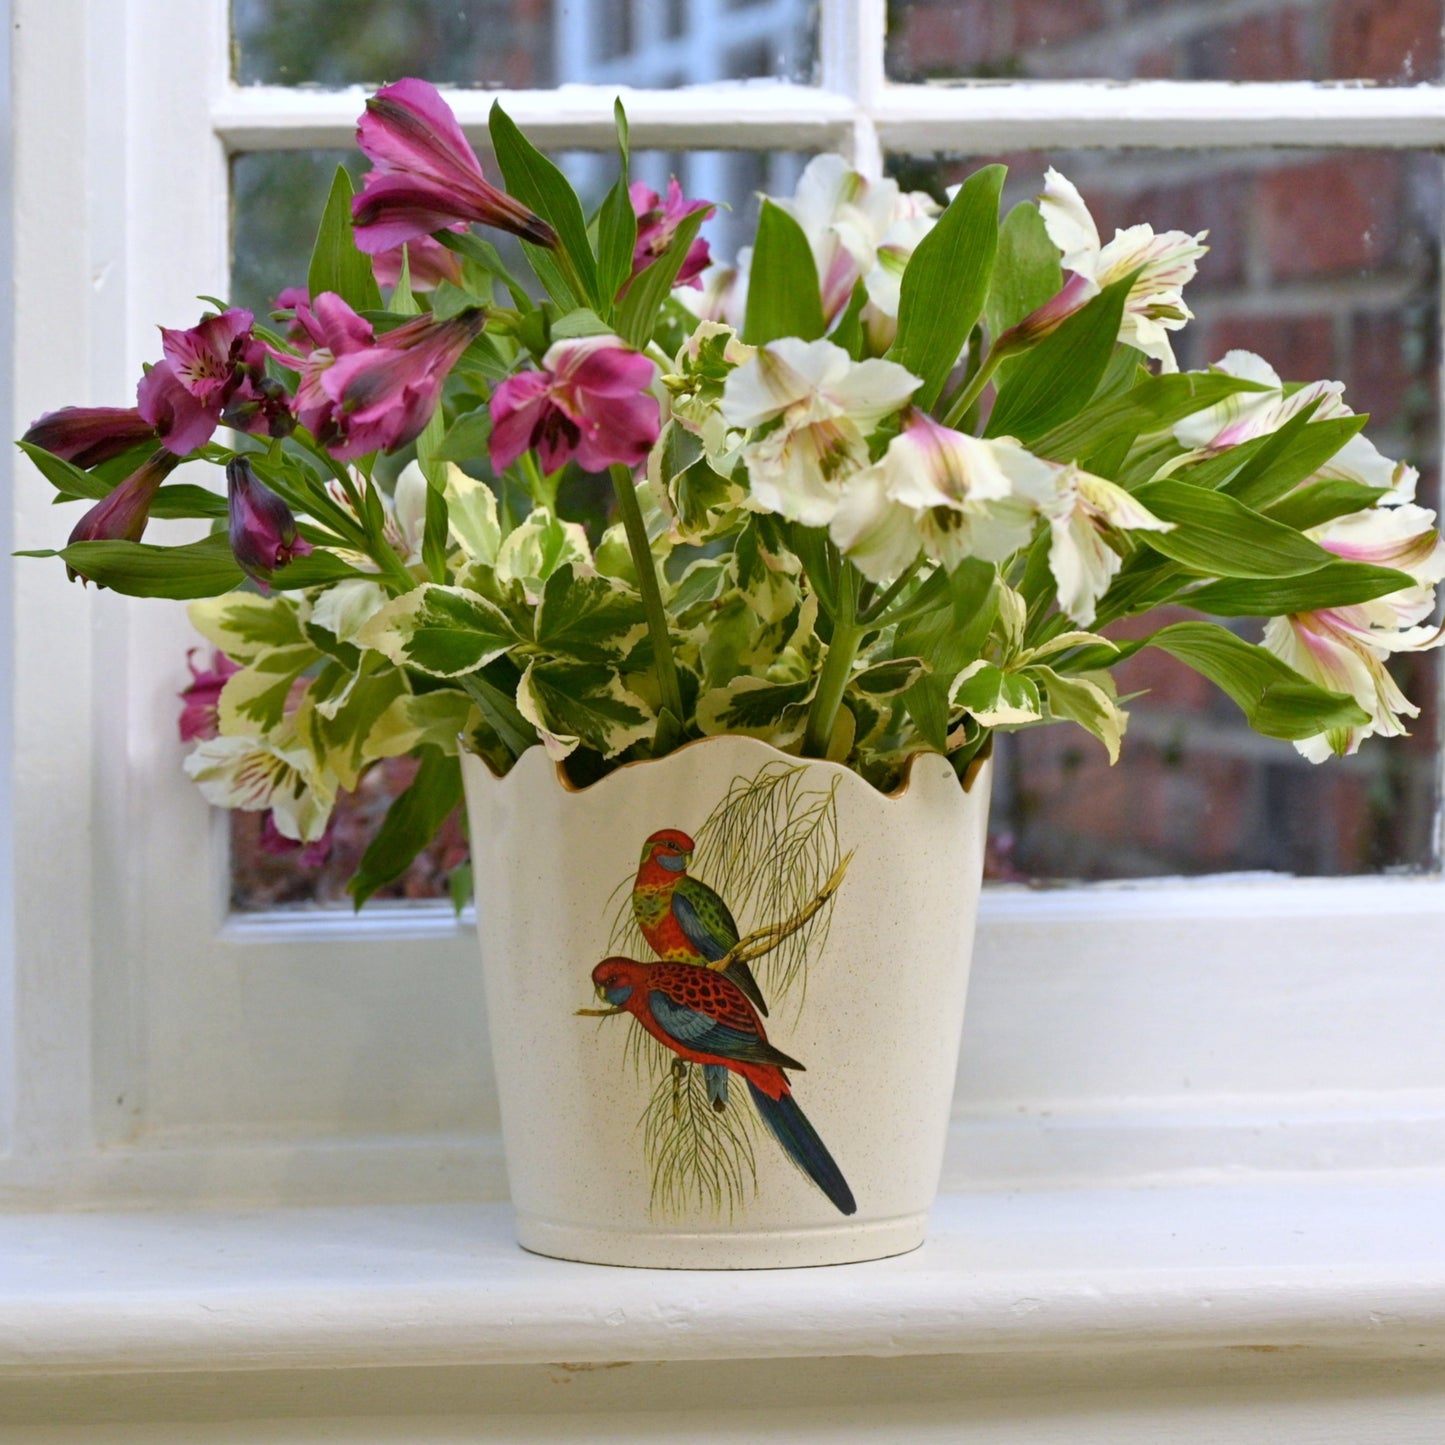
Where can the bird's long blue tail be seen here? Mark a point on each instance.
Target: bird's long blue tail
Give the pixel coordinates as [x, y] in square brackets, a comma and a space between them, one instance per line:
[790, 1127]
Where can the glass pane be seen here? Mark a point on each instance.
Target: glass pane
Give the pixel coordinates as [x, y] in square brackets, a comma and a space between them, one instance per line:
[276, 203]
[652, 44]
[1396, 42]
[1327, 265]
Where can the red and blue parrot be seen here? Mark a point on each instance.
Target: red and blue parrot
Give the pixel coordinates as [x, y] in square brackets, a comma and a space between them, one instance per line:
[681, 918]
[704, 1018]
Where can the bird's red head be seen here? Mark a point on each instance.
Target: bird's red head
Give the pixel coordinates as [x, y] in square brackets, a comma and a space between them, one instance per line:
[669, 847]
[615, 978]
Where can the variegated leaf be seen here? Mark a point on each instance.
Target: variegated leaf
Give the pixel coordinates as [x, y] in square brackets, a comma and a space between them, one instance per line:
[533, 551]
[1087, 699]
[578, 704]
[590, 619]
[243, 625]
[442, 631]
[776, 712]
[996, 698]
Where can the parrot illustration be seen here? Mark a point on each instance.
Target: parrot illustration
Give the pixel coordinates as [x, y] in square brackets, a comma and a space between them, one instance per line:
[704, 1018]
[681, 918]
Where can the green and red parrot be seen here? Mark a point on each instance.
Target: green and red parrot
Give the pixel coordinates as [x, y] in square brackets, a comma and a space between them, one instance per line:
[704, 1018]
[682, 919]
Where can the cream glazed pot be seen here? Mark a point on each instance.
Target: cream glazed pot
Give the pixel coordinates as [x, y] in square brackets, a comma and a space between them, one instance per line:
[725, 991]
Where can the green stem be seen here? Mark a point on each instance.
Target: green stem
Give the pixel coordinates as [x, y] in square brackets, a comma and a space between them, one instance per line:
[876, 610]
[837, 667]
[663, 666]
[973, 389]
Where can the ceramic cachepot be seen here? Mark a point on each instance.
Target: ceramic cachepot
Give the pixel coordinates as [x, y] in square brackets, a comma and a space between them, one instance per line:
[725, 991]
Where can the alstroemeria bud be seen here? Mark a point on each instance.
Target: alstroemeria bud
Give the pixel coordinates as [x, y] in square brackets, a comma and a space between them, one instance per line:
[427, 177]
[263, 531]
[657, 223]
[90, 435]
[122, 516]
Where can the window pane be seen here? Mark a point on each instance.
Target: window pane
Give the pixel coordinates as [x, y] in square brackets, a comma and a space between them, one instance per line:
[654, 44]
[276, 203]
[1326, 264]
[1393, 41]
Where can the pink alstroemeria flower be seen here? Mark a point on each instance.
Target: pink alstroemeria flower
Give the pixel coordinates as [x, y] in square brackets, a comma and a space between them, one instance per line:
[361, 393]
[657, 223]
[304, 855]
[90, 435]
[427, 177]
[122, 516]
[201, 697]
[262, 530]
[590, 400]
[429, 263]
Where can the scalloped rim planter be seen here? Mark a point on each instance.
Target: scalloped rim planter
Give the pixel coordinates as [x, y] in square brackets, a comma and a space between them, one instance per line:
[877, 1025]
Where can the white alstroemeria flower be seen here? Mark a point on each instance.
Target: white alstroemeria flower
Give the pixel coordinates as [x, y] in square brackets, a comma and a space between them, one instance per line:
[1250, 414]
[254, 774]
[1166, 261]
[1081, 560]
[944, 493]
[1345, 648]
[826, 406]
[846, 217]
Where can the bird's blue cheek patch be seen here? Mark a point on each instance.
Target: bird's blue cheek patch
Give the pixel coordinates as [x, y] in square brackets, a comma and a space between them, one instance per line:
[673, 862]
[619, 996]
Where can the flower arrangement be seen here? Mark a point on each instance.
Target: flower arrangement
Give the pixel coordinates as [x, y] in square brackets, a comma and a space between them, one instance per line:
[881, 487]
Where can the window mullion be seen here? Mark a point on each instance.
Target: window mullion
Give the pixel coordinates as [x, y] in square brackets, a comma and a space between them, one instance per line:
[732, 117]
[992, 117]
[850, 63]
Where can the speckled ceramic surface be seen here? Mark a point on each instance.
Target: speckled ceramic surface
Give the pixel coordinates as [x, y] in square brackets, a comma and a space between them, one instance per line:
[725, 993]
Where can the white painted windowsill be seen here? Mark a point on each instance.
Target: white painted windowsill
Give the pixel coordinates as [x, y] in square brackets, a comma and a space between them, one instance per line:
[1296, 1263]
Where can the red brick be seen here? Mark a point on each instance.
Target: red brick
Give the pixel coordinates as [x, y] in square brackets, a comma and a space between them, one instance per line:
[1045, 22]
[1161, 63]
[946, 39]
[1300, 348]
[1385, 40]
[1379, 373]
[1331, 216]
[1266, 48]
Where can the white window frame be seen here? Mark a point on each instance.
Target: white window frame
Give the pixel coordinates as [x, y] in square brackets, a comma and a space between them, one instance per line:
[152, 1048]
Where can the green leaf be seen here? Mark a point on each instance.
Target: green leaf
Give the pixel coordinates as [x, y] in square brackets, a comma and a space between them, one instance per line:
[774, 711]
[588, 619]
[336, 264]
[783, 295]
[1054, 380]
[484, 254]
[185, 499]
[466, 439]
[638, 310]
[317, 569]
[138, 569]
[1277, 701]
[1322, 502]
[410, 824]
[536, 182]
[945, 283]
[435, 533]
[1336, 584]
[71, 481]
[1151, 406]
[442, 631]
[574, 703]
[1296, 451]
[498, 706]
[1217, 536]
[616, 224]
[950, 635]
[1026, 273]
